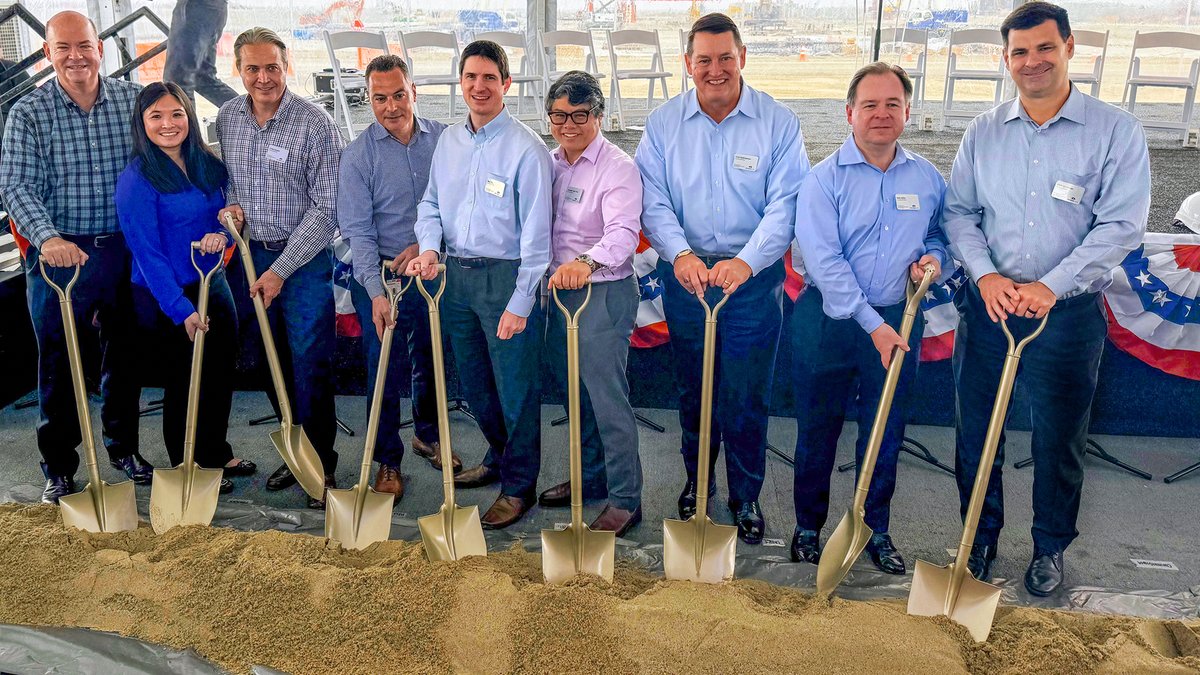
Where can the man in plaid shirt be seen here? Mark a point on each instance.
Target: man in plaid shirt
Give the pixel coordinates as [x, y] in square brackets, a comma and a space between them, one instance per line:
[282, 153]
[65, 143]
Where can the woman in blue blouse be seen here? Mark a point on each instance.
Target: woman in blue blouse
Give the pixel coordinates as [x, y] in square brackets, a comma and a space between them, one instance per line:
[167, 197]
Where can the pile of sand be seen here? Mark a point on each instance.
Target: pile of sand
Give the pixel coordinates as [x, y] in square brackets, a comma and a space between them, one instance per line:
[296, 603]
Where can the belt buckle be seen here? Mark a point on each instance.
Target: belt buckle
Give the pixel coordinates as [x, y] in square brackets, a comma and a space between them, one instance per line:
[101, 240]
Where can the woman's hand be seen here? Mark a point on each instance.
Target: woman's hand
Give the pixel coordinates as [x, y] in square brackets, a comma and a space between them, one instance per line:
[193, 324]
[213, 243]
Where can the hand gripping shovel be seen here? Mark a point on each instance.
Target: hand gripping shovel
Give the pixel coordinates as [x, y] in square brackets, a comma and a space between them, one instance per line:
[453, 532]
[699, 549]
[290, 440]
[100, 507]
[360, 516]
[852, 533]
[187, 494]
[576, 549]
[951, 590]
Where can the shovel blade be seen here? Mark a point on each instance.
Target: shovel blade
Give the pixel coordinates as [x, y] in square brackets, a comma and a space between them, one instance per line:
[101, 508]
[168, 505]
[704, 552]
[301, 457]
[594, 551]
[974, 609]
[453, 533]
[372, 525]
[841, 550]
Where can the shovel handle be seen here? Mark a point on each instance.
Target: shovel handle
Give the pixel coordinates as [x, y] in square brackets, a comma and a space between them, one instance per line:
[439, 382]
[575, 433]
[573, 318]
[394, 286]
[703, 454]
[64, 294]
[205, 276]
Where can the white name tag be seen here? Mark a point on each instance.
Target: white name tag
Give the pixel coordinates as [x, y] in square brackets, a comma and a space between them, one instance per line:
[1072, 194]
[277, 154]
[494, 187]
[574, 194]
[908, 203]
[745, 162]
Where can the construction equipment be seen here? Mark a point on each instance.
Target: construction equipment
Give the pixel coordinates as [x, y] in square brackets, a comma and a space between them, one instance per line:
[100, 507]
[290, 440]
[576, 549]
[699, 549]
[951, 590]
[360, 516]
[454, 532]
[852, 533]
[187, 494]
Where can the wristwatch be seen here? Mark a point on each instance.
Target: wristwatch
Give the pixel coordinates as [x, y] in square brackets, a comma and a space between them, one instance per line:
[686, 251]
[587, 260]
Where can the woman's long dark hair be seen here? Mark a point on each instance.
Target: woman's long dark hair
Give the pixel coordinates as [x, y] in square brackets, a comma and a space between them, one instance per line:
[204, 169]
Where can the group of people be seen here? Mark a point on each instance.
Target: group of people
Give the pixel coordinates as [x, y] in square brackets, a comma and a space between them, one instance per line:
[1047, 194]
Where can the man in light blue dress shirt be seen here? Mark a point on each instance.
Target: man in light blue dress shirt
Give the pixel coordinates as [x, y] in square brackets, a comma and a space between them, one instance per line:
[489, 201]
[720, 168]
[1048, 194]
[867, 219]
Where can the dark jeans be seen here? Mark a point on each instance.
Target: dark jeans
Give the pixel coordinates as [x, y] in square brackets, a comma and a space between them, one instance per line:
[170, 344]
[103, 292]
[414, 360]
[1059, 370]
[834, 361]
[747, 340]
[302, 321]
[196, 26]
[500, 378]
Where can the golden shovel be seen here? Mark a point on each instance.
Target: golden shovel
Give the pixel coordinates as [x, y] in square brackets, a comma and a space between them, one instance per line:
[852, 533]
[100, 507]
[951, 590]
[187, 494]
[699, 549]
[360, 516]
[290, 440]
[576, 549]
[454, 532]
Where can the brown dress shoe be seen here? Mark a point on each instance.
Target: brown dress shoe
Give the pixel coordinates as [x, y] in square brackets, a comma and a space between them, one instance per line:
[320, 503]
[433, 453]
[617, 520]
[477, 476]
[559, 495]
[389, 480]
[506, 511]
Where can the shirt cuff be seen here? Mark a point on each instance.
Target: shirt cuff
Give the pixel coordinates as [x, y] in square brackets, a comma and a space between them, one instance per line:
[39, 236]
[979, 267]
[600, 255]
[1059, 282]
[374, 286]
[180, 310]
[283, 267]
[674, 247]
[520, 304]
[868, 318]
[754, 259]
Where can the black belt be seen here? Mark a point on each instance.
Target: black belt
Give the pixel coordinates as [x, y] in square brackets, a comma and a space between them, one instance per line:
[95, 240]
[271, 245]
[475, 263]
[710, 260]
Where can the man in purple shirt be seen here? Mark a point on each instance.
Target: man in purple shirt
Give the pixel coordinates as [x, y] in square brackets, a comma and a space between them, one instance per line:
[597, 216]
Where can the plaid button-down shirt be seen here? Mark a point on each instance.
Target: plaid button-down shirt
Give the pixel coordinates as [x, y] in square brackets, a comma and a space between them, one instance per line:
[284, 175]
[60, 164]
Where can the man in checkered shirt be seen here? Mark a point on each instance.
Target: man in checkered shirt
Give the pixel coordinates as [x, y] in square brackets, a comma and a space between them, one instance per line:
[282, 153]
[65, 143]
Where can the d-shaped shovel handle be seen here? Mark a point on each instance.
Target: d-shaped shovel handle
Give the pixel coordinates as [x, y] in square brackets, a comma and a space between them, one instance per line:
[64, 294]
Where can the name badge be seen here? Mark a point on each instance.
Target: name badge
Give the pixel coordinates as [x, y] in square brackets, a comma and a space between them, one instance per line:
[1072, 194]
[574, 194]
[908, 203]
[494, 187]
[277, 154]
[745, 162]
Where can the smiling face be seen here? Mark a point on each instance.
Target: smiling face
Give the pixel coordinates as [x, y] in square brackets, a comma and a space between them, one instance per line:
[715, 65]
[73, 49]
[264, 74]
[572, 136]
[392, 96]
[879, 110]
[1037, 59]
[483, 89]
[166, 123]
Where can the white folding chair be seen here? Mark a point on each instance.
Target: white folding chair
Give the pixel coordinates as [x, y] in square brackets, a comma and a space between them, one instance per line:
[441, 43]
[552, 68]
[685, 80]
[906, 36]
[524, 69]
[1164, 40]
[987, 37]
[642, 39]
[1090, 38]
[348, 39]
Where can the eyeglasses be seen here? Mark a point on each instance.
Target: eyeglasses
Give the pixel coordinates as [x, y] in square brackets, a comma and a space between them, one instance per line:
[558, 118]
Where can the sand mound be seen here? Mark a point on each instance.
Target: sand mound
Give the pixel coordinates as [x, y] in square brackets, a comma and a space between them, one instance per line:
[295, 603]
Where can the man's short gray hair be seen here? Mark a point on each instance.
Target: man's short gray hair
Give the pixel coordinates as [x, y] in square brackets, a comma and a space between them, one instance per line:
[579, 88]
[258, 36]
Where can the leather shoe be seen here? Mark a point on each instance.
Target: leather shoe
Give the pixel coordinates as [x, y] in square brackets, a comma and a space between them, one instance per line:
[560, 495]
[1045, 573]
[388, 480]
[980, 562]
[806, 546]
[687, 498]
[139, 470]
[320, 503]
[57, 486]
[477, 476]
[433, 453]
[749, 519]
[226, 486]
[244, 467]
[506, 511]
[281, 479]
[617, 520]
[884, 554]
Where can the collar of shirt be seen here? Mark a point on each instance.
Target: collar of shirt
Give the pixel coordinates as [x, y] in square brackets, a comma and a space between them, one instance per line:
[747, 104]
[285, 104]
[490, 130]
[378, 133]
[850, 153]
[590, 153]
[1074, 109]
[101, 95]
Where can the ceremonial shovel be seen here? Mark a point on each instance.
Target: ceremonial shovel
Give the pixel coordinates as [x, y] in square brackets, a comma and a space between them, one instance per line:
[699, 549]
[951, 590]
[852, 533]
[100, 507]
[187, 494]
[576, 549]
[453, 532]
[290, 440]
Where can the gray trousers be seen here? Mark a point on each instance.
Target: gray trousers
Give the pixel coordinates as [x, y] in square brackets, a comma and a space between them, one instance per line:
[609, 430]
[196, 26]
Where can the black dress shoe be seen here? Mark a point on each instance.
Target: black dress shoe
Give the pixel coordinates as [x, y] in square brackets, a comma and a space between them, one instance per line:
[57, 486]
[138, 469]
[884, 554]
[749, 519]
[226, 486]
[980, 562]
[320, 503]
[1045, 573]
[687, 498]
[806, 546]
[281, 479]
[244, 467]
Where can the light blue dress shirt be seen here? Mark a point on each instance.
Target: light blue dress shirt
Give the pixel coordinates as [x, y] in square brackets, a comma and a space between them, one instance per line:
[722, 189]
[1002, 211]
[489, 196]
[860, 228]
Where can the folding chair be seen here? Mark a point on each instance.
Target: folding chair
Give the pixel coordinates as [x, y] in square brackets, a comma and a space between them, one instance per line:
[524, 71]
[972, 36]
[548, 44]
[907, 36]
[348, 39]
[441, 42]
[685, 80]
[1135, 79]
[642, 39]
[1091, 38]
